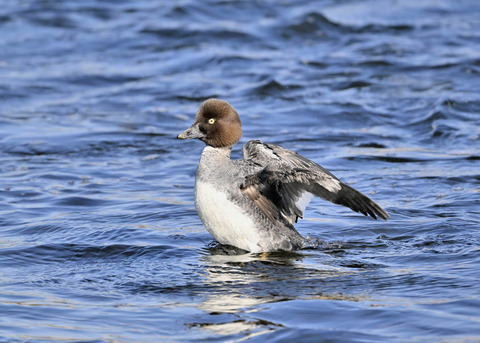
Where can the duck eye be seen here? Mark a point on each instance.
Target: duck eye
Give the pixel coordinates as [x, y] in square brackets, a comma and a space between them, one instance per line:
[211, 120]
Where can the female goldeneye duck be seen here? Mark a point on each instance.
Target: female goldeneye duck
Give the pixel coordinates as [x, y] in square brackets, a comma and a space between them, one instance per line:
[253, 203]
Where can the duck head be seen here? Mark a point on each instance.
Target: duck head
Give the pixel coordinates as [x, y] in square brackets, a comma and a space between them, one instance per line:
[216, 123]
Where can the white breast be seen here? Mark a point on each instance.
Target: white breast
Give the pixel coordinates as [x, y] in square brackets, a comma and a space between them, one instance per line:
[225, 221]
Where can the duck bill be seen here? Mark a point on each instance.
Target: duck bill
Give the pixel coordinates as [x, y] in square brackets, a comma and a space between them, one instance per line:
[193, 132]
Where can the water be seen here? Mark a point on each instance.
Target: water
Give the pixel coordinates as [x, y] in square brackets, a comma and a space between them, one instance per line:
[99, 239]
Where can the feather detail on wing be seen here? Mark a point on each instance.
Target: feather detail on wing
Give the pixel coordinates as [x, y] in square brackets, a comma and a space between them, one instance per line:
[288, 181]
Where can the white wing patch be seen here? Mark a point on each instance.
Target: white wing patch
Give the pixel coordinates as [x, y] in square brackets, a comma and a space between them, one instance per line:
[332, 185]
[303, 201]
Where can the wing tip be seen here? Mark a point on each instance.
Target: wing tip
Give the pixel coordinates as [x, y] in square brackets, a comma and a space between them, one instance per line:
[374, 210]
[381, 213]
[361, 203]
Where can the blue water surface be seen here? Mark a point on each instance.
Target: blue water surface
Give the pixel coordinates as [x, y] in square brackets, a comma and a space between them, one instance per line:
[99, 238]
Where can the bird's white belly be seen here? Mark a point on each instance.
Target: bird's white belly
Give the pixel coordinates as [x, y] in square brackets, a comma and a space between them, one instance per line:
[225, 221]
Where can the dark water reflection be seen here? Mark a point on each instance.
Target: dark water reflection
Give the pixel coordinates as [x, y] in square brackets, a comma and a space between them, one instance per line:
[99, 239]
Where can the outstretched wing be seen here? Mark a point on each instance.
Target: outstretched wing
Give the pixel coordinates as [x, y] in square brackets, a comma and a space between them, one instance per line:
[288, 181]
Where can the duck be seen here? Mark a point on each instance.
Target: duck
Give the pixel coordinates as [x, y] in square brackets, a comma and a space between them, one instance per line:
[254, 202]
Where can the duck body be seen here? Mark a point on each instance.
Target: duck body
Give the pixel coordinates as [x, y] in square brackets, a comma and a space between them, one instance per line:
[231, 217]
[253, 203]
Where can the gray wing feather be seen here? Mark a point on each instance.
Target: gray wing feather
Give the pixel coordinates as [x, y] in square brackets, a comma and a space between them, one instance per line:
[287, 178]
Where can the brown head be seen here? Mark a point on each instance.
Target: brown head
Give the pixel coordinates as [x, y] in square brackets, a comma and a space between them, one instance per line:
[216, 123]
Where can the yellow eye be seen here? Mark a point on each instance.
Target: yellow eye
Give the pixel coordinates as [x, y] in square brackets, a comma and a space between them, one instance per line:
[211, 120]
